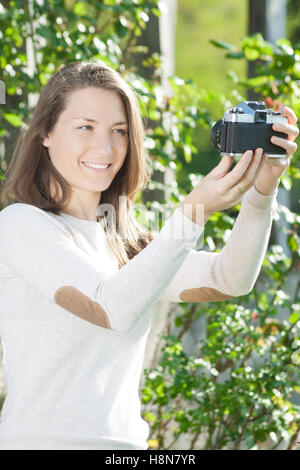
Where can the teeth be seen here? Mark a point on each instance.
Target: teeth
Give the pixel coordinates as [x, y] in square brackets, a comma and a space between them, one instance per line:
[95, 165]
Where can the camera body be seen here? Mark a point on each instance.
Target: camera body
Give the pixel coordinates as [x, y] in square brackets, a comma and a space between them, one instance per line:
[248, 126]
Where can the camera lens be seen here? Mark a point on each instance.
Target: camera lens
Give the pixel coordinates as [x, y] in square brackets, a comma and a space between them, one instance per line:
[215, 134]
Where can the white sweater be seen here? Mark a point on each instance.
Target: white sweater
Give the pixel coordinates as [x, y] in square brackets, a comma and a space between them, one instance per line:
[74, 327]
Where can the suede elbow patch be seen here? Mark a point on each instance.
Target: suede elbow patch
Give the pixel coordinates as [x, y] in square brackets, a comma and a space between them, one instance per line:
[203, 294]
[76, 302]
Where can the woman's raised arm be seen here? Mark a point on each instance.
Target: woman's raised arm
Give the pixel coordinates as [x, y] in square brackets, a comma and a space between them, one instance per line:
[210, 277]
[37, 248]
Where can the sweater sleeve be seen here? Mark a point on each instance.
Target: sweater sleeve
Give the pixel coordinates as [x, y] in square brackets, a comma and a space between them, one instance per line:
[209, 276]
[41, 251]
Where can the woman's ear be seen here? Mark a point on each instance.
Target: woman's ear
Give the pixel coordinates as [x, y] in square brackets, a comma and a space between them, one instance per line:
[45, 141]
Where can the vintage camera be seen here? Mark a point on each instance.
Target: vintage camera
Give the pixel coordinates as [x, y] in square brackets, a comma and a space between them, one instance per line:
[248, 126]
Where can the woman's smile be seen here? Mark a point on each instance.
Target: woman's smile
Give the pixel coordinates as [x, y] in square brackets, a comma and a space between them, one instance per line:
[98, 168]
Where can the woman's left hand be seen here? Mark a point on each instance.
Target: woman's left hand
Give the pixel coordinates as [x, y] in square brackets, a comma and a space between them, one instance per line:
[268, 178]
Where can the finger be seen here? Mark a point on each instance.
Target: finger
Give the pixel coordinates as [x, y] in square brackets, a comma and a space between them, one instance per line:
[249, 177]
[234, 176]
[290, 114]
[288, 145]
[222, 168]
[291, 131]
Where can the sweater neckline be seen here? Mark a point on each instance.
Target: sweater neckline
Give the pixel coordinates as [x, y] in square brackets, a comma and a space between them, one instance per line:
[81, 222]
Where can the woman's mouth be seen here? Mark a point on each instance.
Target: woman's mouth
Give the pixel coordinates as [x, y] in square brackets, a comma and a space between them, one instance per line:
[99, 168]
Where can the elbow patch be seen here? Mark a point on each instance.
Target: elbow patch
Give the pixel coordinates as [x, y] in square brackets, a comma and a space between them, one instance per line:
[76, 302]
[203, 294]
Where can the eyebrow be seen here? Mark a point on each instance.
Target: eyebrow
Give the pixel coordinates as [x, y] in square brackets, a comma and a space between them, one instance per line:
[93, 120]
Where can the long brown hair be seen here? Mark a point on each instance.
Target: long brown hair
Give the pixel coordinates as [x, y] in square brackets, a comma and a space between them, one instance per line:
[30, 176]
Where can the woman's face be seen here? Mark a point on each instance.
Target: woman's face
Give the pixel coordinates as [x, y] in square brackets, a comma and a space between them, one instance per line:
[92, 129]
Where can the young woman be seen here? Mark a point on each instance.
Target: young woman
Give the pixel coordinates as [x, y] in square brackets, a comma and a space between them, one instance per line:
[79, 275]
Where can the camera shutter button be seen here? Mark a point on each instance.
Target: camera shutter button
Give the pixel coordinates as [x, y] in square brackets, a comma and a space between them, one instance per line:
[237, 110]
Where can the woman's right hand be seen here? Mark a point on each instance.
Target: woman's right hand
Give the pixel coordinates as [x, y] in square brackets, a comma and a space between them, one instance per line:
[221, 189]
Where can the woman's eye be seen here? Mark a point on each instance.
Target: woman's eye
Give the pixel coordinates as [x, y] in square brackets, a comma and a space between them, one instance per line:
[84, 126]
[118, 131]
[121, 131]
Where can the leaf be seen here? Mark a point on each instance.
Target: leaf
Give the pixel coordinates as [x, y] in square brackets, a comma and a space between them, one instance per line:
[293, 242]
[150, 416]
[285, 45]
[153, 443]
[13, 119]
[156, 11]
[147, 395]
[221, 44]
[178, 322]
[80, 9]
[235, 55]
[294, 317]
[251, 54]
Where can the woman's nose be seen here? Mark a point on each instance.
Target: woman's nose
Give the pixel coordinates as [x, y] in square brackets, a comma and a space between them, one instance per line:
[102, 144]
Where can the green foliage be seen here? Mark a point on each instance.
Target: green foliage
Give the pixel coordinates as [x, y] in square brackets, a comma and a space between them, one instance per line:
[66, 30]
[237, 389]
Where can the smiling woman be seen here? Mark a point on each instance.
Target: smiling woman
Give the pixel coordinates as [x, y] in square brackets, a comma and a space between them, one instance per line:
[78, 153]
[55, 164]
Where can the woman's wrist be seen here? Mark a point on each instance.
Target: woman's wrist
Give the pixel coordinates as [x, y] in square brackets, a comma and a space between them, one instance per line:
[267, 188]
